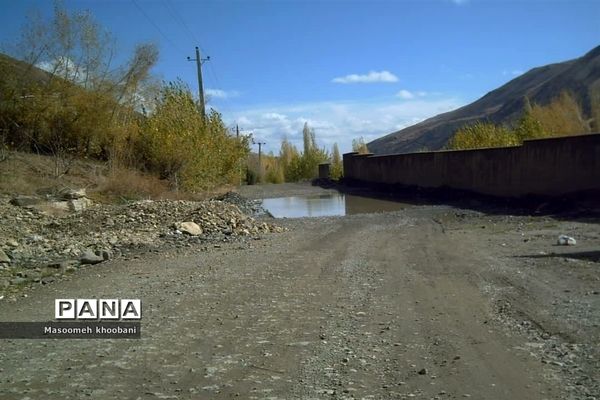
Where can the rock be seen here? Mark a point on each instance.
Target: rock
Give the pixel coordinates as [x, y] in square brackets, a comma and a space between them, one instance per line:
[18, 281]
[423, 371]
[4, 258]
[58, 205]
[191, 228]
[564, 240]
[4, 283]
[105, 254]
[72, 194]
[12, 243]
[25, 201]
[60, 265]
[89, 257]
[79, 204]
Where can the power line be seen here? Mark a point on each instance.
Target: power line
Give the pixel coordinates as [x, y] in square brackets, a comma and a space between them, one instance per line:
[181, 21]
[156, 26]
[191, 35]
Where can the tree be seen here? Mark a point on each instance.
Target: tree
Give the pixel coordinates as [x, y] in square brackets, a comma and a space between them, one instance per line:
[298, 166]
[482, 135]
[289, 158]
[336, 163]
[359, 146]
[68, 99]
[192, 152]
[562, 116]
[528, 127]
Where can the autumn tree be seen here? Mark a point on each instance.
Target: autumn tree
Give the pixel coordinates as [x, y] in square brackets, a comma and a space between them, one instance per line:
[481, 135]
[192, 152]
[359, 146]
[562, 116]
[65, 97]
[336, 163]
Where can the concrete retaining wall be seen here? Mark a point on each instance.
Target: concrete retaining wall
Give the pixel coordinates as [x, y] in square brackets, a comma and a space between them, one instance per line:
[548, 167]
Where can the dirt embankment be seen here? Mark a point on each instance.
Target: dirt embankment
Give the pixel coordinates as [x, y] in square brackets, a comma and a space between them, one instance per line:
[429, 302]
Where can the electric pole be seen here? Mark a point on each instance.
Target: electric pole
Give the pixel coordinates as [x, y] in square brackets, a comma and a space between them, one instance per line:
[199, 62]
[260, 144]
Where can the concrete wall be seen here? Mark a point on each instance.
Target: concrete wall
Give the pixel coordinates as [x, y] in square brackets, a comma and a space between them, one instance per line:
[550, 167]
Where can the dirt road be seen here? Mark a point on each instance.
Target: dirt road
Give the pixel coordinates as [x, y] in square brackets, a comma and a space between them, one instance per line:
[429, 302]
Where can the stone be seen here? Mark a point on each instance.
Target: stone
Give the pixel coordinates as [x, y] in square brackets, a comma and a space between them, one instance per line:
[12, 243]
[89, 257]
[47, 279]
[25, 201]
[61, 265]
[80, 204]
[105, 254]
[58, 205]
[423, 371]
[72, 194]
[189, 227]
[4, 258]
[35, 239]
[18, 281]
[564, 240]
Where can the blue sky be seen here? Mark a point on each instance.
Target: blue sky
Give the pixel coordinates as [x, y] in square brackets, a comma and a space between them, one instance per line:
[349, 68]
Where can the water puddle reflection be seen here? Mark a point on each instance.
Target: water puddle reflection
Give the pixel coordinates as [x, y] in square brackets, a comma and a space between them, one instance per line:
[327, 205]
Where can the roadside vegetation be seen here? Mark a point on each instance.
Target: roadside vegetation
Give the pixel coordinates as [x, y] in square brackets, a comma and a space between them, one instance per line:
[293, 165]
[67, 99]
[562, 116]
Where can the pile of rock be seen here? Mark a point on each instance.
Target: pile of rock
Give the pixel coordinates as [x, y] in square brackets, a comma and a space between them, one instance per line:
[33, 237]
[65, 200]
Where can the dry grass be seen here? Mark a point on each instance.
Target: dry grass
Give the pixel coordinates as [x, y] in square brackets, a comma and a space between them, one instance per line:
[128, 184]
[25, 173]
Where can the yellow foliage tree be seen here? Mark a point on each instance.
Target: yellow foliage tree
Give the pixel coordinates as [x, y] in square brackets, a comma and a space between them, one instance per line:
[360, 146]
[482, 135]
[192, 152]
[337, 169]
[562, 116]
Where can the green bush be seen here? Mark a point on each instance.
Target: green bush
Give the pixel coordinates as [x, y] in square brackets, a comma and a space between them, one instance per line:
[192, 152]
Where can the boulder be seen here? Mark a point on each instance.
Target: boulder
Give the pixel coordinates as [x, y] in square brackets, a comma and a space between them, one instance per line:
[564, 240]
[25, 201]
[58, 205]
[79, 204]
[72, 194]
[189, 227]
[89, 257]
[4, 258]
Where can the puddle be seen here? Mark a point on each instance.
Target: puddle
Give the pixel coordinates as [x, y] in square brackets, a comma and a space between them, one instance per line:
[327, 205]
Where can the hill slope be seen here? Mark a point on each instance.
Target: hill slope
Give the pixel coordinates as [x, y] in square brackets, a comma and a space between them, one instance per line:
[501, 105]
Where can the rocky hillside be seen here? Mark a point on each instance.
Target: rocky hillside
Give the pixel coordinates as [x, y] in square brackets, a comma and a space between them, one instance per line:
[503, 105]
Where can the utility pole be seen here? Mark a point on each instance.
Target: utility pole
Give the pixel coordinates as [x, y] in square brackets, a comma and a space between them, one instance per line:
[260, 144]
[199, 62]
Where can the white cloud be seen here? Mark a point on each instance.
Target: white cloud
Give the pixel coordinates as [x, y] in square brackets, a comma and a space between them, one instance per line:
[221, 94]
[336, 121]
[64, 66]
[405, 94]
[371, 77]
[408, 95]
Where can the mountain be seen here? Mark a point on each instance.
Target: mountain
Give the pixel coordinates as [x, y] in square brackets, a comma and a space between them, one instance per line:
[503, 105]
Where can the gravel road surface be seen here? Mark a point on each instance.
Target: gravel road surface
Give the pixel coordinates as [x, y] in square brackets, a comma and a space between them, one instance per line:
[430, 302]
